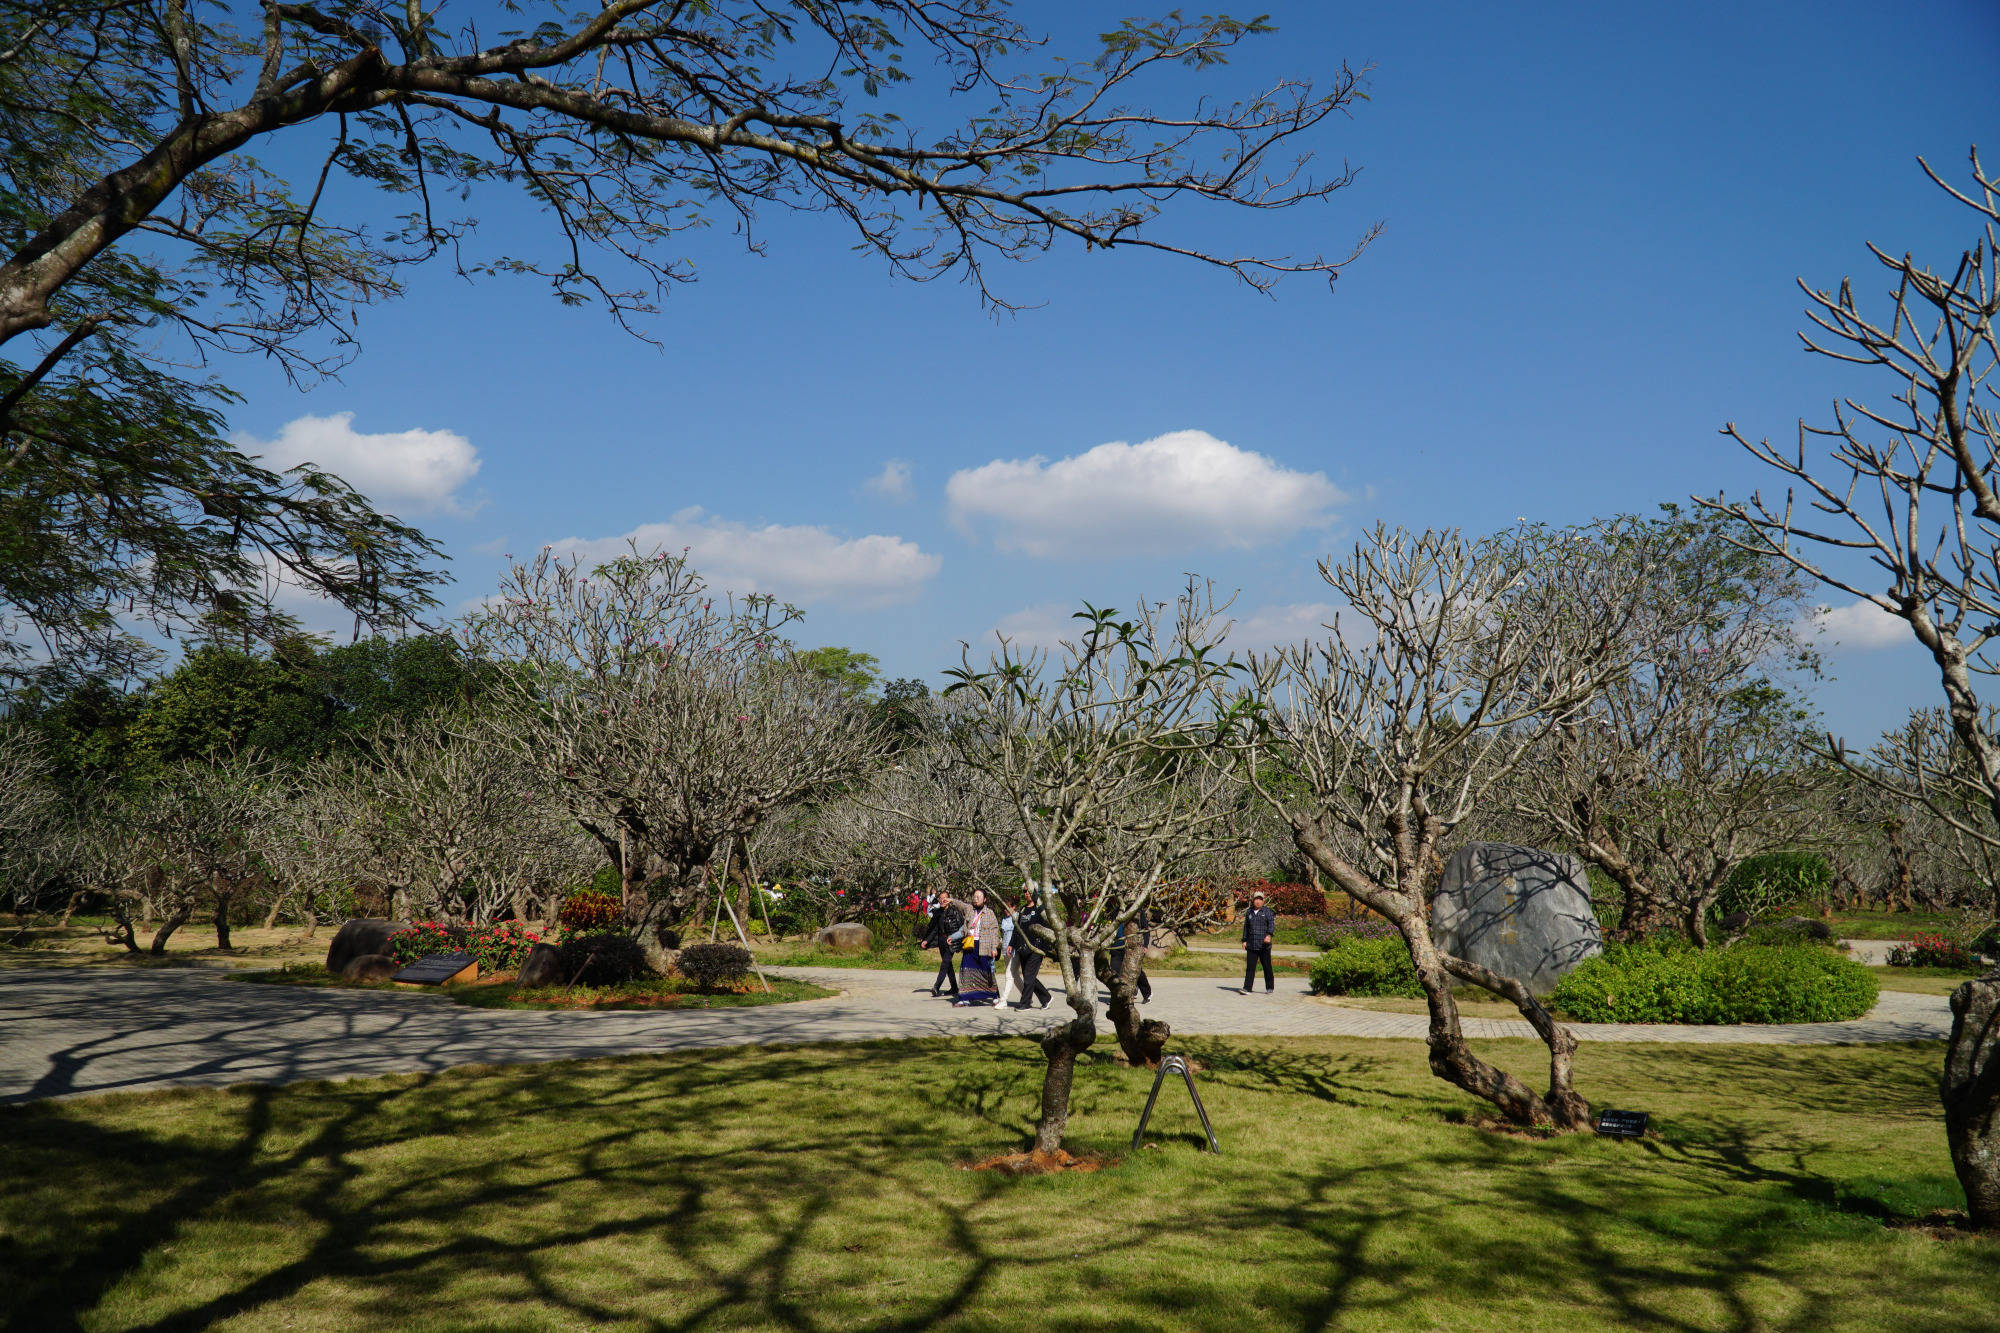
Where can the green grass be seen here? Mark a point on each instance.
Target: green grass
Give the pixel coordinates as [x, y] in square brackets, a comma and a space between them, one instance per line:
[820, 1188]
[1922, 980]
[1874, 925]
[650, 993]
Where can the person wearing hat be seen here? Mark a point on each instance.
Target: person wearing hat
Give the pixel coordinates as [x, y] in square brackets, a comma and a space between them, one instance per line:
[1260, 924]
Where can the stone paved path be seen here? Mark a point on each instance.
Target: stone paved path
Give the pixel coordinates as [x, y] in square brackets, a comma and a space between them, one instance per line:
[72, 1031]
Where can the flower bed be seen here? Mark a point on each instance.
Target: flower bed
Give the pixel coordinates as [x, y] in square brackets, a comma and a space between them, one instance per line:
[1927, 949]
[499, 947]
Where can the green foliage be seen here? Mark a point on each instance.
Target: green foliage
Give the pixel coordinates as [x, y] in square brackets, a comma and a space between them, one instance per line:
[1358, 966]
[1642, 983]
[426, 939]
[711, 965]
[600, 959]
[853, 671]
[1775, 879]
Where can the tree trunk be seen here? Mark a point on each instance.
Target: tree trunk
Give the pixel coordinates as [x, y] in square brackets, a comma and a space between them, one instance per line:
[1142, 1039]
[222, 898]
[1971, 1091]
[168, 927]
[1451, 1059]
[271, 917]
[1061, 1046]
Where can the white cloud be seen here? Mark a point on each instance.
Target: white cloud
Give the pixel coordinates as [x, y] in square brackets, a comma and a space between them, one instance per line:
[1171, 493]
[1282, 626]
[1861, 625]
[795, 563]
[892, 482]
[416, 470]
[1041, 626]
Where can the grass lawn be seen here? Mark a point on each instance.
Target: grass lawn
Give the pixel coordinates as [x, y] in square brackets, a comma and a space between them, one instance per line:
[499, 993]
[1922, 980]
[821, 1188]
[78, 943]
[1876, 925]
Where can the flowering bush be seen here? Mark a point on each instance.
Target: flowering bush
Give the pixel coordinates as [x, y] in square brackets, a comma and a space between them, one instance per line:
[502, 946]
[1284, 899]
[590, 909]
[499, 947]
[425, 939]
[1926, 949]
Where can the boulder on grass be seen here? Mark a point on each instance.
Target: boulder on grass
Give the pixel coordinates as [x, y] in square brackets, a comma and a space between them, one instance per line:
[846, 937]
[370, 967]
[540, 969]
[361, 936]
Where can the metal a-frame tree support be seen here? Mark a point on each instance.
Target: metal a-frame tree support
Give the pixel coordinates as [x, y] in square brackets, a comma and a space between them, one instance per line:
[1178, 1065]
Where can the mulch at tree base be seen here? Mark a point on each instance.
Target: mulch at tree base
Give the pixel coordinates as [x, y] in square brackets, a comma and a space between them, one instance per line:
[1033, 1163]
[1938, 1224]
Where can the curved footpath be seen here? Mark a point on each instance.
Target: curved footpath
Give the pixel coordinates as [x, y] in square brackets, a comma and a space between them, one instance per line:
[74, 1031]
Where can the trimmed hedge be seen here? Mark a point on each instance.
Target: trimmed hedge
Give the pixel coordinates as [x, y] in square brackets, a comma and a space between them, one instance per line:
[712, 965]
[1746, 984]
[1360, 966]
[601, 959]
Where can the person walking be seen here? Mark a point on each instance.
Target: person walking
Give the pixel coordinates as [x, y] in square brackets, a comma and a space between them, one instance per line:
[942, 934]
[979, 943]
[1260, 927]
[1028, 956]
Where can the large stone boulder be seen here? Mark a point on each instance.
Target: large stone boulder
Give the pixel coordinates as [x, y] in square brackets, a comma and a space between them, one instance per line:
[371, 967]
[846, 937]
[540, 968]
[1518, 911]
[363, 935]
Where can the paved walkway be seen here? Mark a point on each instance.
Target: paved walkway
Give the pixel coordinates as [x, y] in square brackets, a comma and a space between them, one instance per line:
[72, 1031]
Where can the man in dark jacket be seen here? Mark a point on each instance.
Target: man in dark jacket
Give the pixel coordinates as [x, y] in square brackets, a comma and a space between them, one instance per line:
[1260, 926]
[945, 921]
[1029, 956]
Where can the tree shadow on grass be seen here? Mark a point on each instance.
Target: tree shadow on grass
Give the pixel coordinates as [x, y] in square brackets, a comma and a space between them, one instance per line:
[758, 1189]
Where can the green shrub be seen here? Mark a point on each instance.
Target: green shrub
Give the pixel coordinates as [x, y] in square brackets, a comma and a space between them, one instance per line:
[1792, 933]
[710, 965]
[1357, 966]
[1775, 879]
[600, 959]
[1745, 984]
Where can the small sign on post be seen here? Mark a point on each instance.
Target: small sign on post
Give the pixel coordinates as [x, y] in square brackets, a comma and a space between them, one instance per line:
[1622, 1124]
[1175, 1064]
[439, 969]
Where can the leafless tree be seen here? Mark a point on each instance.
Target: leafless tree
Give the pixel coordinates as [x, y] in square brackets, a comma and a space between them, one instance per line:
[1924, 759]
[1905, 515]
[1456, 661]
[671, 723]
[1692, 758]
[1085, 776]
[32, 821]
[193, 834]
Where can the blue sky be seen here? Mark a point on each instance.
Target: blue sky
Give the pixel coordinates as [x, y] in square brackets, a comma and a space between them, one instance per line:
[1593, 219]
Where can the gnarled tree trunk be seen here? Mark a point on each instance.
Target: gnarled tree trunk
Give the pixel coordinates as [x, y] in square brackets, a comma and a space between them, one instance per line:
[1971, 1092]
[1143, 1040]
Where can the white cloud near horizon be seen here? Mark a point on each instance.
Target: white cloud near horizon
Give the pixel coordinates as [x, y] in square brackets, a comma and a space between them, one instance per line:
[892, 482]
[420, 471]
[1178, 491]
[796, 563]
[1861, 625]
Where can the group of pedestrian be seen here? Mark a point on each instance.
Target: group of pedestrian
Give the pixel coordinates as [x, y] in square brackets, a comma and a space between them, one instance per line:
[971, 937]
